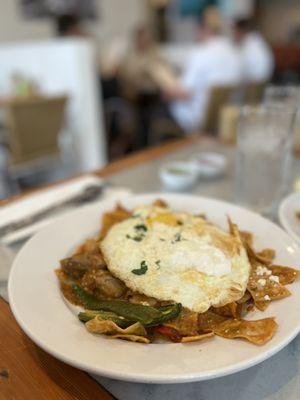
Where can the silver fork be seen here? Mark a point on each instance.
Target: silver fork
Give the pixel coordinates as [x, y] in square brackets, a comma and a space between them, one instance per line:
[88, 194]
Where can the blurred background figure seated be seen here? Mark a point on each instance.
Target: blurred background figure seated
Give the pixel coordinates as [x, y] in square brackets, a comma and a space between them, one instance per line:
[145, 76]
[214, 62]
[69, 25]
[256, 55]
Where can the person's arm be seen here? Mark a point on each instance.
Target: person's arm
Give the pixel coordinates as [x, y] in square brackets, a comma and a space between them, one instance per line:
[187, 82]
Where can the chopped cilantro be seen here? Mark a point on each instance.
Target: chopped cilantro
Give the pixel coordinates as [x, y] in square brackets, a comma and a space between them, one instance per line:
[158, 263]
[141, 227]
[142, 270]
[136, 238]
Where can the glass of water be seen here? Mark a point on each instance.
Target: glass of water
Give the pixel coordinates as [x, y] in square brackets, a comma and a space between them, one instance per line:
[263, 152]
[287, 95]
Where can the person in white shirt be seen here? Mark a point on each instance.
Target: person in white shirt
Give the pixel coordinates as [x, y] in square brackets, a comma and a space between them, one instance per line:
[256, 54]
[215, 62]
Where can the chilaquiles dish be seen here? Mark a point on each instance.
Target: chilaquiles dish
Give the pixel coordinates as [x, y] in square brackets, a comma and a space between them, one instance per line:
[153, 273]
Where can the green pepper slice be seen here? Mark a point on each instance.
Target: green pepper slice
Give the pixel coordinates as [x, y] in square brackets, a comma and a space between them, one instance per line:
[146, 315]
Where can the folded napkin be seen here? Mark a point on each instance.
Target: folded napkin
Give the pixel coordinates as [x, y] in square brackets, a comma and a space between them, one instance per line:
[36, 202]
[297, 185]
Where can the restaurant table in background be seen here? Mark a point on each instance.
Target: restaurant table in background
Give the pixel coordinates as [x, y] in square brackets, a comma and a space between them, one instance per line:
[275, 379]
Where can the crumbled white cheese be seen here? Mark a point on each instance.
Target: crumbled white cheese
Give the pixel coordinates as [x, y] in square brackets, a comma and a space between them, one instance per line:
[267, 297]
[262, 271]
[262, 282]
[274, 278]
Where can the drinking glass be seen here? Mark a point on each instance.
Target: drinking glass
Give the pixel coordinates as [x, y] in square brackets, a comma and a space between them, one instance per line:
[284, 95]
[263, 150]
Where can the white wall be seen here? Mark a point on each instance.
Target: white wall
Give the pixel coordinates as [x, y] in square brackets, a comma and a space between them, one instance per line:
[13, 27]
[116, 17]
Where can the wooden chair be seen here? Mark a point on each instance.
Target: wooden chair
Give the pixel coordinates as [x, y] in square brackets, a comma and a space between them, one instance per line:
[228, 123]
[253, 92]
[33, 126]
[219, 96]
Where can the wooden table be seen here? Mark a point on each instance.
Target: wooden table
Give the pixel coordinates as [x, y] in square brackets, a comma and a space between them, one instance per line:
[27, 372]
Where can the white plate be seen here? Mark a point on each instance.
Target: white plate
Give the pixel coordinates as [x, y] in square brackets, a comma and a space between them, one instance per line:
[287, 215]
[37, 304]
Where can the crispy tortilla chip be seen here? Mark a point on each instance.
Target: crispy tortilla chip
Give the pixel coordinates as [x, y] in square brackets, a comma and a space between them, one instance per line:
[132, 338]
[286, 275]
[231, 310]
[186, 323]
[196, 338]
[254, 257]
[245, 298]
[267, 254]
[209, 320]
[247, 237]
[106, 327]
[111, 218]
[263, 286]
[160, 203]
[258, 332]
[90, 246]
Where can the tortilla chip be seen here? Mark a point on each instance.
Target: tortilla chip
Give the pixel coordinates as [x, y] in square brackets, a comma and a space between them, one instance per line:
[160, 203]
[209, 320]
[258, 332]
[263, 287]
[231, 310]
[132, 338]
[245, 298]
[90, 246]
[286, 275]
[111, 218]
[247, 237]
[196, 338]
[186, 323]
[256, 257]
[107, 327]
[267, 254]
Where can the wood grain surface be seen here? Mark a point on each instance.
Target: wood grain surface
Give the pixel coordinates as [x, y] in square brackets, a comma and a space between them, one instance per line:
[28, 373]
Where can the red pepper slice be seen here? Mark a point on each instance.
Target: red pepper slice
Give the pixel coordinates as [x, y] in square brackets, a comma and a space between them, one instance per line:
[169, 332]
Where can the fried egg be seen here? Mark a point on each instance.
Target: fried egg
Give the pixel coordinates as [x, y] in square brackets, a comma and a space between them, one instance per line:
[174, 256]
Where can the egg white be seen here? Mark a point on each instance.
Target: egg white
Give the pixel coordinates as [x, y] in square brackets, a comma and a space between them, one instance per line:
[177, 257]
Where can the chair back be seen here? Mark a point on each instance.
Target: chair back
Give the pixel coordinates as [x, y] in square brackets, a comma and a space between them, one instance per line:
[253, 92]
[64, 66]
[33, 126]
[219, 96]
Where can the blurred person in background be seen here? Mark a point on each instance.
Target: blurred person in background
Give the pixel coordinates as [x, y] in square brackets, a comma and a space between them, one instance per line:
[142, 67]
[144, 76]
[216, 61]
[69, 25]
[256, 55]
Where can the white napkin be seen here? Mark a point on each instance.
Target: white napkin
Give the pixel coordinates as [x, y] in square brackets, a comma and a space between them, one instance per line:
[37, 202]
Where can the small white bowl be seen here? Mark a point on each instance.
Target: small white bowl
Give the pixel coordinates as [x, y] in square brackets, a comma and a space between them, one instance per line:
[178, 175]
[209, 164]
